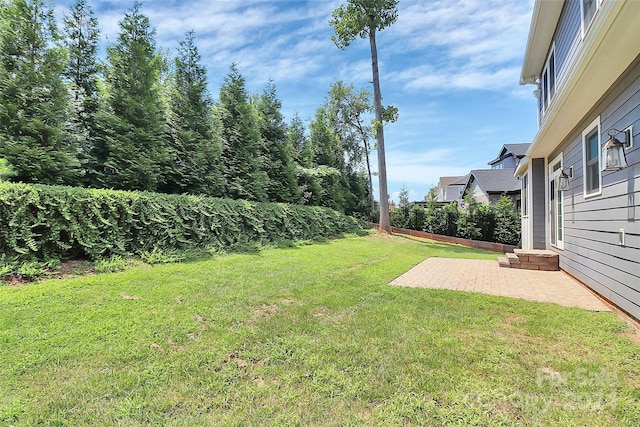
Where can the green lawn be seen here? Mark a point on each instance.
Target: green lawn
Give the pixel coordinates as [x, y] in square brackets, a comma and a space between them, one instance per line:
[308, 335]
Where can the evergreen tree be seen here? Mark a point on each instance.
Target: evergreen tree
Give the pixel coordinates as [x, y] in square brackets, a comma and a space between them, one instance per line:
[399, 217]
[508, 223]
[302, 153]
[357, 200]
[298, 141]
[33, 97]
[82, 36]
[328, 161]
[276, 148]
[240, 159]
[134, 146]
[194, 146]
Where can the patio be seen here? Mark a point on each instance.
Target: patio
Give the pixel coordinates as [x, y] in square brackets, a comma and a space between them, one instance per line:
[487, 277]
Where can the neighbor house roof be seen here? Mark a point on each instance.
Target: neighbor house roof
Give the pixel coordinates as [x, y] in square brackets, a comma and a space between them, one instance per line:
[447, 180]
[516, 150]
[462, 180]
[495, 180]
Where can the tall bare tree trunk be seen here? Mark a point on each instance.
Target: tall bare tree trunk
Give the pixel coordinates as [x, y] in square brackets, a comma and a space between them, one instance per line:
[385, 226]
[371, 198]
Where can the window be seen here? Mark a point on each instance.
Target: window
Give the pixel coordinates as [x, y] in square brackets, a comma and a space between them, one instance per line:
[591, 159]
[551, 65]
[589, 9]
[548, 80]
[498, 166]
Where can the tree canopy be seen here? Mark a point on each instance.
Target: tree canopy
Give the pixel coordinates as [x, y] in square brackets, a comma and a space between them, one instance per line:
[143, 119]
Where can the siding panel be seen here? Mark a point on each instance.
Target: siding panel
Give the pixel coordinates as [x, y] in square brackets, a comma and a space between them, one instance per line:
[538, 184]
[591, 251]
[607, 237]
[568, 39]
[604, 281]
[605, 225]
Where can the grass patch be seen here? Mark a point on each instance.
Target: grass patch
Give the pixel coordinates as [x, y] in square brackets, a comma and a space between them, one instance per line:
[305, 335]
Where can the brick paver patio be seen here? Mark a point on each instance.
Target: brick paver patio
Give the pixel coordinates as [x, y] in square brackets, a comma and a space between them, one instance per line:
[487, 277]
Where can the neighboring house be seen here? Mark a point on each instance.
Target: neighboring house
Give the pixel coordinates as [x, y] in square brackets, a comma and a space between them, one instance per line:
[584, 57]
[450, 189]
[488, 185]
[509, 156]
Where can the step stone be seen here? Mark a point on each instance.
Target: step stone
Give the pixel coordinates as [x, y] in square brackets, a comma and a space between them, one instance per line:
[513, 258]
[503, 262]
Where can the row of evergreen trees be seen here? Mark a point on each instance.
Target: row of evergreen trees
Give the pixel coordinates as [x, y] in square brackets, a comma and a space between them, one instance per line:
[138, 121]
[499, 222]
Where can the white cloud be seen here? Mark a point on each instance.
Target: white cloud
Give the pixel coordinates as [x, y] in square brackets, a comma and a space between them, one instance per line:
[462, 44]
[423, 167]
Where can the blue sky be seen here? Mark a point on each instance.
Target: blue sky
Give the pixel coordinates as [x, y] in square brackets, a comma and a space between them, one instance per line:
[451, 67]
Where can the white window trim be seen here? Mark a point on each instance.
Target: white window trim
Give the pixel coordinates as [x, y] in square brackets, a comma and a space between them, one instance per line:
[524, 199]
[586, 25]
[593, 125]
[553, 176]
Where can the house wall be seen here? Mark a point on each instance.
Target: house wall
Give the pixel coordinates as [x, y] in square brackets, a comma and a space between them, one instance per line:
[567, 41]
[507, 163]
[453, 193]
[537, 205]
[495, 198]
[591, 225]
[568, 38]
[478, 194]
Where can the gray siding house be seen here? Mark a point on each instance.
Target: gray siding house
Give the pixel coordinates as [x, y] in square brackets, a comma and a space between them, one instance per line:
[489, 185]
[583, 56]
[509, 156]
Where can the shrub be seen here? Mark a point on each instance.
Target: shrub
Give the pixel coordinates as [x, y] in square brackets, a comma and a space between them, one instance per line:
[111, 265]
[508, 224]
[51, 222]
[441, 220]
[492, 223]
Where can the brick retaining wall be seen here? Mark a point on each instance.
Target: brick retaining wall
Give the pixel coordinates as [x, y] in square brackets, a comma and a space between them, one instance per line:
[477, 244]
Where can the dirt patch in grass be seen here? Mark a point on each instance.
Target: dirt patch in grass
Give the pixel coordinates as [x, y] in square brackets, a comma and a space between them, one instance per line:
[387, 236]
[66, 270]
[14, 281]
[263, 312]
[76, 268]
[633, 336]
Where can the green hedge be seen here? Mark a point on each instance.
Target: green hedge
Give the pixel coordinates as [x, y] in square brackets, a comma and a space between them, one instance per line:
[498, 222]
[50, 222]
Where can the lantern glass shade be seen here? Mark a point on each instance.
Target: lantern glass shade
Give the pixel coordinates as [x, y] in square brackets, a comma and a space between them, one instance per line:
[563, 182]
[613, 155]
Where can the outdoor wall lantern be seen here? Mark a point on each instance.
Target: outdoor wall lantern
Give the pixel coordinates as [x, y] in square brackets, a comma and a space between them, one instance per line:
[563, 179]
[613, 155]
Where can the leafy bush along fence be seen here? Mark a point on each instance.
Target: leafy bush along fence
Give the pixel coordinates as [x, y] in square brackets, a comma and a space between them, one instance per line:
[499, 223]
[45, 222]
